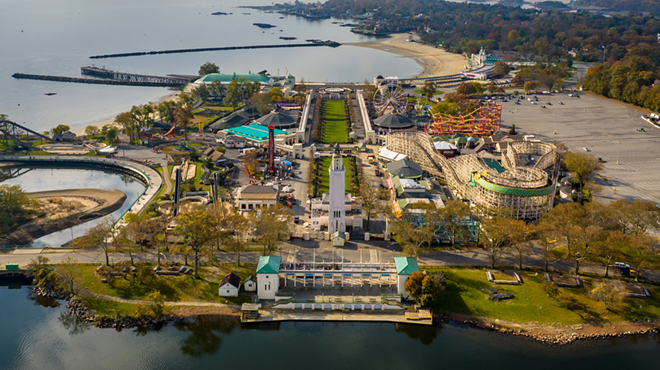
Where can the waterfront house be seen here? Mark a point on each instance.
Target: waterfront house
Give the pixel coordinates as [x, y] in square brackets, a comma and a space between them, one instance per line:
[229, 285]
[268, 281]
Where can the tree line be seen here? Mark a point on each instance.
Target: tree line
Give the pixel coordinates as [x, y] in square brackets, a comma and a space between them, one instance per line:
[592, 232]
[529, 33]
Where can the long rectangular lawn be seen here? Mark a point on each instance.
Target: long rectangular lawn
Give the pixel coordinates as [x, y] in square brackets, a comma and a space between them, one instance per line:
[335, 122]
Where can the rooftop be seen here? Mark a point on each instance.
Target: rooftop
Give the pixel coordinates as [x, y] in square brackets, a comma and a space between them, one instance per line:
[228, 77]
[232, 279]
[405, 265]
[269, 265]
[254, 132]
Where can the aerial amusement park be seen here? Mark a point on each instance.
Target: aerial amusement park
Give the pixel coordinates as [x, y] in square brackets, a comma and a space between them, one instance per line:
[468, 152]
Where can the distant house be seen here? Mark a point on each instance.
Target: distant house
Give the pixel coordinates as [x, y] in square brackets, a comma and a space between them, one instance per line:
[65, 136]
[250, 284]
[338, 239]
[255, 197]
[229, 285]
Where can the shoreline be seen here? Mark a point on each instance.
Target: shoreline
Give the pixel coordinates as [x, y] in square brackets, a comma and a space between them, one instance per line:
[96, 203]
[80, 131]
[434, 61]
[548, 334]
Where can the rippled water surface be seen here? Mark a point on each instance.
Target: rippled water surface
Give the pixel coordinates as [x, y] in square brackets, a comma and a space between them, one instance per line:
[39, 337]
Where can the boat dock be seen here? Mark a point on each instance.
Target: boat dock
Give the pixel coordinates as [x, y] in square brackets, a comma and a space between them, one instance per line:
[98, 81]
[416, 318]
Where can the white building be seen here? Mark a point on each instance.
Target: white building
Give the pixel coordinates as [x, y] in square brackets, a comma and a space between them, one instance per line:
[268, 281]
[405, 266]
[380, 81]
[256, 197]
[250, 284]
[337, 200]
[229, 285]
[331, 210]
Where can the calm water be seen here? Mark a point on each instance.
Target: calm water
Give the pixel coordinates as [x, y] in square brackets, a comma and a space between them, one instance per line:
[41, 179]
[38, 337]
[56, 37]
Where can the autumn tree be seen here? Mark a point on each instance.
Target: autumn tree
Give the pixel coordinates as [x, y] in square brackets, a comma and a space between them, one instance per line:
[369, 90]
[642, 248]
[453, 217]
[91, 130]
[611, 249]
[517, 81]
[275, 94]
[273, 225]
[588, 238]
[563, 218]
[261, 102]
[369, 201]
[547, 236]
[414, 284]
[530, 86]
[428, 90]
[548, 80]
[198, 228]
[183, 115]
[497, 237]
[522, 235]
[609, 293]
[414, 238]
[501, 69]
[239, 227]
[582, 165]
[466, 88]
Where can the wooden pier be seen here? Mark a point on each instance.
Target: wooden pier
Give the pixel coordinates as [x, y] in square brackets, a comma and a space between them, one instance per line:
[130, 77]
[165, 82]
[329, 43]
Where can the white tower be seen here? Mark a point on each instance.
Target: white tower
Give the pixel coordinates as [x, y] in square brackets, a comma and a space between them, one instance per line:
[337, 209]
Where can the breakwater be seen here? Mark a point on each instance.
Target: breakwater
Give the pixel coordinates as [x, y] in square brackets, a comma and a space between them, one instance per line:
[329, 43]
[97, 81]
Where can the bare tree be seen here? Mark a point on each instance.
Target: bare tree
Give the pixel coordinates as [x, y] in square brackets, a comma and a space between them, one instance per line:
[497, 235]
[68, 272]
[198, 228]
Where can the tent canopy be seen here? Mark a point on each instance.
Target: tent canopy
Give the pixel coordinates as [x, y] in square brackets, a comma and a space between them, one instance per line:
[395, 121]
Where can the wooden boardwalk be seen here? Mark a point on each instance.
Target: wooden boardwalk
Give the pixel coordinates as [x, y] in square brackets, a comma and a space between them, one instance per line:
[266, 315]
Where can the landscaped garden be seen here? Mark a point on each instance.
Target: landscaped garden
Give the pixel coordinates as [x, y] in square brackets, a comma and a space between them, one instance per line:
[334, 122]
[320, 176]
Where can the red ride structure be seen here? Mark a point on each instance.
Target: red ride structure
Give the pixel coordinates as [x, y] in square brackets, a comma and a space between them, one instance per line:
[271, 150]
[484, 121]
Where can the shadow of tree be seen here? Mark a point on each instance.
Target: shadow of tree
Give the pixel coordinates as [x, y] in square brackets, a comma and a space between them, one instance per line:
[203, 339]
[425, 334]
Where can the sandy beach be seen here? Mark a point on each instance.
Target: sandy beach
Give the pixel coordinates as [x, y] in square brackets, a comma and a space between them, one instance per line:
[436, 62]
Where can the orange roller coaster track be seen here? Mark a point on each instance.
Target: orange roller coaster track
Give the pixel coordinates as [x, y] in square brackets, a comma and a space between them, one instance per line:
[484, 121]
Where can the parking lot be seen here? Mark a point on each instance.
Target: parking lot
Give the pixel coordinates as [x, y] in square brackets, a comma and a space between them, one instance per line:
[609, 129]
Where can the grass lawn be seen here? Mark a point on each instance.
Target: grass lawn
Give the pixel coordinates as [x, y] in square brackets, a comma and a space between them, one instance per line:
[175, 288]
[466, 294]
[335, 122]
[437, 92]
[325, 185]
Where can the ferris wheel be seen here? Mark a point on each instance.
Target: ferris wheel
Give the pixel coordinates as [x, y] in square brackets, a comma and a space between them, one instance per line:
[390, 100]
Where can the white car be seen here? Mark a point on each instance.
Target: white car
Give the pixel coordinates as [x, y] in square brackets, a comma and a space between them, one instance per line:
[621, 265]
[586, 149]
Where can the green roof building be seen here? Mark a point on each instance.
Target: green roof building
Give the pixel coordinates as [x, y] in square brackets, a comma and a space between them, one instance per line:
[226, 78]
[405, 265]
[269, 265]
[268, 280]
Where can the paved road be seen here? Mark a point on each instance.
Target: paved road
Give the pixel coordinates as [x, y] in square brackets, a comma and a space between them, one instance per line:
[309, 251]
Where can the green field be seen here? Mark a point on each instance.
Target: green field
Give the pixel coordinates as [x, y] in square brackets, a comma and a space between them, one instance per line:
[335, 122]
[175, 288]
[466, 294]
[325, 185]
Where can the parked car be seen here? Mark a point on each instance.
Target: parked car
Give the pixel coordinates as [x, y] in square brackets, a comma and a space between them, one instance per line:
[586, 149]
[621, 265]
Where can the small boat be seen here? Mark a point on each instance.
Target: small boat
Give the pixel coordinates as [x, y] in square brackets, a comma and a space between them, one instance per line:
[50, 94]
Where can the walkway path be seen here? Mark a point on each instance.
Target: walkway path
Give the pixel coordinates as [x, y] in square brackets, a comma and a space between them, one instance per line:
[87, 293]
